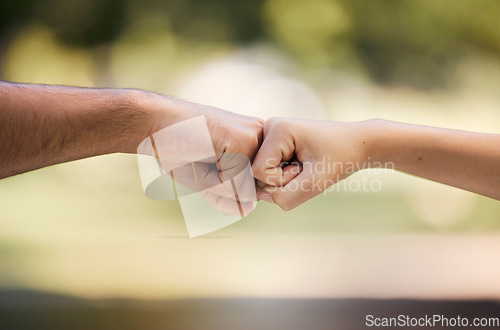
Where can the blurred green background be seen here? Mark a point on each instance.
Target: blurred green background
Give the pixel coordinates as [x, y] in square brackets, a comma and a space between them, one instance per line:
[86, 229]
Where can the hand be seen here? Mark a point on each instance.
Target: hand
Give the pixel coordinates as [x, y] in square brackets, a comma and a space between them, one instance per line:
[301, 158]
[230, 132]
[235, 139]
[219, 187]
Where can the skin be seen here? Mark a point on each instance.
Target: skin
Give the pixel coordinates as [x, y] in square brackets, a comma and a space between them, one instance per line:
[323, 153]
[45, 125]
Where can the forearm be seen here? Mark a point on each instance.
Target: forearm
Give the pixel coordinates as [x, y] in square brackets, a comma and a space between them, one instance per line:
[466, 160]
[45, 125]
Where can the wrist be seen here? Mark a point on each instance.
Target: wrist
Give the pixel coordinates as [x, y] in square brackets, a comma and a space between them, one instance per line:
[375, 146]
[148, 112]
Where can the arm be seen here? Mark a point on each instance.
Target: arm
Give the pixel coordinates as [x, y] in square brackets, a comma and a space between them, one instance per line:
[465, 160]
[45, 125]
[330, 151]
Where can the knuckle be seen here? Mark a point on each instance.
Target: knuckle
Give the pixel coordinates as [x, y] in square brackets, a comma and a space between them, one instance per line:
[270, 122]
[281, 125]
[259, 122]
[257, 172]
[283, 203]
[285, 206]
[252, 138]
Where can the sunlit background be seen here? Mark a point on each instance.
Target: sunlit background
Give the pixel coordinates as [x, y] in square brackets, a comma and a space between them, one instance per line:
[85, 228]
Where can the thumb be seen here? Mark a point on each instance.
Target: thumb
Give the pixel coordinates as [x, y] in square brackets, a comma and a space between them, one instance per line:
[302, 188]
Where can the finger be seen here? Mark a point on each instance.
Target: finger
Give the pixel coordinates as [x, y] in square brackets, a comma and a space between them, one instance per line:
[244, 188]
[231, 164]
[206, 175]
[264, 195]
[248, 142]
[197, 177]
[228, 206]
[260, 184]
[268, 124]
[236, 167]
[260, 136]
[224, 205]
[297, 191]
[290, 172]
[246, 208]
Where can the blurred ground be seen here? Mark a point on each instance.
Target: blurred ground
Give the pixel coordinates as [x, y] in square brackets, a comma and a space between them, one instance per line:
[32, 310]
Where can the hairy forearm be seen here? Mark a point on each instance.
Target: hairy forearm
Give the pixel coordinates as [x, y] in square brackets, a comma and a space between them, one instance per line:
[466, 160]
[44, 125]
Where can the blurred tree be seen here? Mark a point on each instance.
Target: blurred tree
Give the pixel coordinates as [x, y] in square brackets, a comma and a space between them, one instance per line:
[82, 22]
[194, 19]
[417, 43]
[13, 14]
